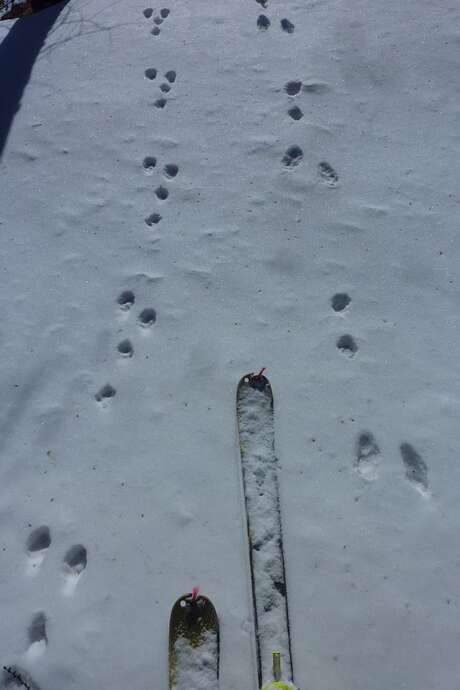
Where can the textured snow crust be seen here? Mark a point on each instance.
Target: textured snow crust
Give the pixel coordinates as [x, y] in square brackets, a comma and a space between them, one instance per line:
[196, 667]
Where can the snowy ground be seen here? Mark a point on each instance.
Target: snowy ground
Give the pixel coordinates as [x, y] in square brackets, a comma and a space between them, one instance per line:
[144, 487]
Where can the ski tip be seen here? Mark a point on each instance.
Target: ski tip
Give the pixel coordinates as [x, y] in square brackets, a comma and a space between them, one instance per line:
[255, 380]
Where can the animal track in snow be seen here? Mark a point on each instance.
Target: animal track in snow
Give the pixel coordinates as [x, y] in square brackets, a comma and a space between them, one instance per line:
[38, 639]
[125, 348]
[74, 564]
[165, 87]
[148, 12]
[38, 543]
[149, 164]
[171, 170]
[287, 26]
[153, 219]
[347, 345]
[292, 88]
[367, 456]
[340, 301]
[147, 317]
[105, 393]
[328, 174]
[293, 156]
[126, 299]
[161, 193]
[263, 22]
[295, 113]
[264, 3]
[416, 467]
[150, 73]
[159, 19]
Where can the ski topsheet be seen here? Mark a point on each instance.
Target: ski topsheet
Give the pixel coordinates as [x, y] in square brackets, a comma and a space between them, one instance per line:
[261, 494]
[194, 647]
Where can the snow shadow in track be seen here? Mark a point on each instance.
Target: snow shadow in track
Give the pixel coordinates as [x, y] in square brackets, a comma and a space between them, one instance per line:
[18, 52]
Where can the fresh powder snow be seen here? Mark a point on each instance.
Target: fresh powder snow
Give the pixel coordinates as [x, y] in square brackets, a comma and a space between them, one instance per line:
[190, 191]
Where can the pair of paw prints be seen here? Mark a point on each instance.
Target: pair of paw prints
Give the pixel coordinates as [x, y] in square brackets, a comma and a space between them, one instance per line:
[346, 343]
[170, 76]
[326, 173]
[73, 564]
[264, 23]
[294, 87]
[157, 19]
[367, 460]
[170, 171]
[146, 318]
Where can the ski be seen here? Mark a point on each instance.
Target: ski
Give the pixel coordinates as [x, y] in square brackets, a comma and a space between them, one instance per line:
[194, 645]
[255, 419]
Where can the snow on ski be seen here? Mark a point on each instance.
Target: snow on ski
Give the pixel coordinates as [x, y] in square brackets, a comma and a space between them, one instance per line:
[194, 647]
[255, 419]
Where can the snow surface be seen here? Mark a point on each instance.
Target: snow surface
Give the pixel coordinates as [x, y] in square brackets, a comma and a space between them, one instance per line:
[241, 270]
[197, 666]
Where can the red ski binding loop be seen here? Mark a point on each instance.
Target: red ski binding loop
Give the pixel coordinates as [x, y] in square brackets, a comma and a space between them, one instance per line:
[195, 593]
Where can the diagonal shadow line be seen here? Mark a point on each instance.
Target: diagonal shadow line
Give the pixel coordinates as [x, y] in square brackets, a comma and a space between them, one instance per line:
[18, 52]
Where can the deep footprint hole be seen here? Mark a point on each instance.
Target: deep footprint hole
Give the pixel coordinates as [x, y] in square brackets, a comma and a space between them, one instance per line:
[148, 12]
[155, 31]
[164, 12]
[39, 539]
[147, 317]
[295, 113]
[340, 301]
[150, 73]
[126, 299]
[149, 163]
[107, 391]
[37, 629]
[125, 348]
[171, 170]
[347, 345]
[162, 193]
[287, 26]
[171, 76]
[153, 219]
[76, 558]
[292, 88]
[327, 173]
[293, 156]
[160, 103]
[263, 22]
